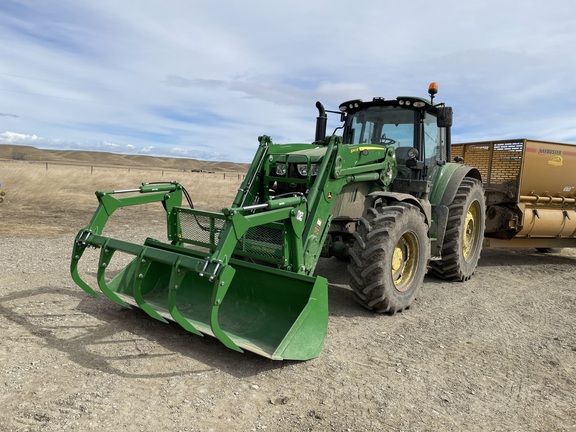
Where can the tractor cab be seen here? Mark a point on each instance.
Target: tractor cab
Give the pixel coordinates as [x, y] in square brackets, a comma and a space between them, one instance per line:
[417, 129]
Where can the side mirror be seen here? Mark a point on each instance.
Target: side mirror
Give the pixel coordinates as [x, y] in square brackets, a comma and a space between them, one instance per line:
[444, 117]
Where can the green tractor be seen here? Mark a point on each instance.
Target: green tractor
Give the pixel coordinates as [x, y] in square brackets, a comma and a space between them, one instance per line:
[383, 196]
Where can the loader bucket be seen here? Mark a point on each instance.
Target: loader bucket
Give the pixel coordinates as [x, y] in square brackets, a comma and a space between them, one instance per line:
[195, 281]
[271, 312]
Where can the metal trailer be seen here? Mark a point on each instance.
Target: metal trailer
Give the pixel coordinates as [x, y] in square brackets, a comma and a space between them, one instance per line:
[530, 189]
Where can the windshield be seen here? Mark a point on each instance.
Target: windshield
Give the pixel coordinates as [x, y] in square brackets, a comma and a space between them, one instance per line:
[382, 125]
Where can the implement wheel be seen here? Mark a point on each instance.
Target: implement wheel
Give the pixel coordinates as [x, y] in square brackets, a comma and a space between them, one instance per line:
[464, 233]
[389, 257]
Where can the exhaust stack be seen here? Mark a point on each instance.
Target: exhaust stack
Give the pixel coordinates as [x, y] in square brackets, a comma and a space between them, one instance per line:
[321, 122]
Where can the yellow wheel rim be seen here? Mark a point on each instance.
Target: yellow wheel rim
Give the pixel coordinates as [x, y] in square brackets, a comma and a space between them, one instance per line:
[405, 261]
[470, 234]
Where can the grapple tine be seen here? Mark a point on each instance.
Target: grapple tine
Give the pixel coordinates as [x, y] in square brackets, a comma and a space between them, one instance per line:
[105, 258]
[176, 278]
[76, 255]
[142, 266]
[221, 285]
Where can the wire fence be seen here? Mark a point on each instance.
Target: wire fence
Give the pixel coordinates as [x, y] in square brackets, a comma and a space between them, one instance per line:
[97, 169]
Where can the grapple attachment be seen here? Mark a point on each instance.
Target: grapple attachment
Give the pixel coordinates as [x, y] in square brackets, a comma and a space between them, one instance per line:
[258, 307]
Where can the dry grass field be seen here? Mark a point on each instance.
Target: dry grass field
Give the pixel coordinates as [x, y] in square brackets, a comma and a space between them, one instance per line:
[496, 353]
[52, 198]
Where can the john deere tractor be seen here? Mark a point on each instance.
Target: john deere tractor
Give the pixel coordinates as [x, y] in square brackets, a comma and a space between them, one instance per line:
[380, 193]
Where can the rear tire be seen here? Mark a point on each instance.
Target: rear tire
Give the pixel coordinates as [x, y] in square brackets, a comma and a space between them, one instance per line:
[389, 257]
[464, 233]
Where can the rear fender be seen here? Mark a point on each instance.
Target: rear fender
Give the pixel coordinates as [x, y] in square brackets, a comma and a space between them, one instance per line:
[444, 190]
[447, 182]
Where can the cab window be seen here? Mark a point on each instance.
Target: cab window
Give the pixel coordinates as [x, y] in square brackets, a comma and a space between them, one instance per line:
[382, 125]
[431, 137]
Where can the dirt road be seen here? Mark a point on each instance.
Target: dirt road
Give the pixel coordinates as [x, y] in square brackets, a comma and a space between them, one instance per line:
[495, 353]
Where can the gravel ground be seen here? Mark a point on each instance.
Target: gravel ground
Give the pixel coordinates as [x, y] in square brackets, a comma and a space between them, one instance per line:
[495, 353]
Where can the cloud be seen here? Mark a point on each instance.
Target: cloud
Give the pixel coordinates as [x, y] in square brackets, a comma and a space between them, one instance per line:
[16, 138]
[105, 146]
[206, 80]
[59, 144]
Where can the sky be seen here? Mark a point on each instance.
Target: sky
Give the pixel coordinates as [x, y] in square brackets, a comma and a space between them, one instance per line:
[203, 79]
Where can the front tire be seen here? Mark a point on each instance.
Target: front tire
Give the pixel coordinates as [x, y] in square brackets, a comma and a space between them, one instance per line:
[389, 258]
[464, 233]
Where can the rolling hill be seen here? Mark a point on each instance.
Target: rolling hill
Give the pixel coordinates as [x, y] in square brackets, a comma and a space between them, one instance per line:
[75, 157]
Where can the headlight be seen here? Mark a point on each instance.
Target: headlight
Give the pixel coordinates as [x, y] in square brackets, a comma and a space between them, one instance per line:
[280, 169]
[412, 153]
[303, 169]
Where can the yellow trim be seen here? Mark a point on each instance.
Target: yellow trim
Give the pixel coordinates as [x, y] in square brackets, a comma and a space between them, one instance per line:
[357, 149]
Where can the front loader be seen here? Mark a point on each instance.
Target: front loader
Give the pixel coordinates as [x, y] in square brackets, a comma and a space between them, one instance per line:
[381, 196]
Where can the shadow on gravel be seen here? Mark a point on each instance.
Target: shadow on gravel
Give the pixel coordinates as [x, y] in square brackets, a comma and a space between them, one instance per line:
[100, 335]
[524, 257]
[341, 301]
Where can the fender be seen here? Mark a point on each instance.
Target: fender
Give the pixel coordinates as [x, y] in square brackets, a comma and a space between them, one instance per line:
[423, 205]
[446, 184]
